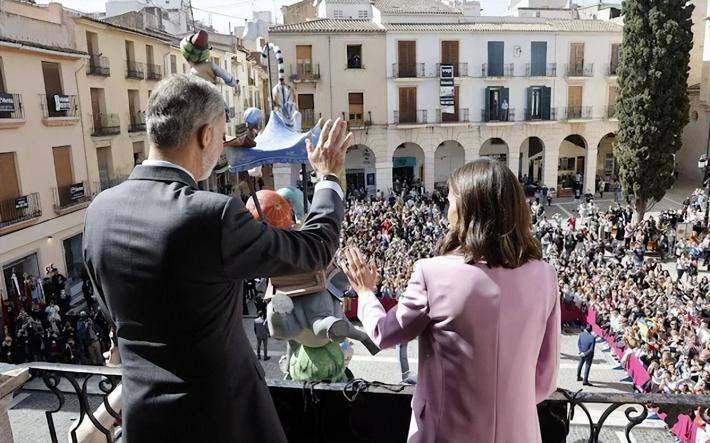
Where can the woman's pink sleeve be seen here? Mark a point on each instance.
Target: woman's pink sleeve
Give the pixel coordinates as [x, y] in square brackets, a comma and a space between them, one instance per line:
[403, 323]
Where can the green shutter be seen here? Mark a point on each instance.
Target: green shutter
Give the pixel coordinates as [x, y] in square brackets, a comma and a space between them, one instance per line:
[546, 102]
[529, 110]
[487, 102]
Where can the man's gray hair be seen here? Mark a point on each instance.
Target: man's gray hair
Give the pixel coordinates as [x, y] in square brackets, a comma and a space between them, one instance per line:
[178, 107]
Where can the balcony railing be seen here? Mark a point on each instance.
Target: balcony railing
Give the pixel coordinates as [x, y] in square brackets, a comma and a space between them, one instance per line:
[137, 122]
[358, 121]
[135, 70]
[577, 112]
[549, 70]
[108, 182]
[508, 70]
[611, 112]
[20, 209]
[580, 70]
[459, 116]
[408, 70]
[420, 117]
[11, 107]
[305, 72]
[460, 69]
[373, 411]
[499, 115]
[75, 195]
[58, 105]
[98, 65]
[155, 72]
[612, 69]
[308, 119]
[105, 124]
[537, 115]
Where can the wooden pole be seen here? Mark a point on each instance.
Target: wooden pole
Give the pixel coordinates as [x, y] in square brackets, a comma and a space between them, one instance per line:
[252, 188]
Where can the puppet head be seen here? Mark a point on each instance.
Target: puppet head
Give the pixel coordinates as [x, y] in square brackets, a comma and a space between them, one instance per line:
[277, 211]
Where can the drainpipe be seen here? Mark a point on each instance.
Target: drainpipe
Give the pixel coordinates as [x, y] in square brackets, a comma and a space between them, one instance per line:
[81, 122]
[330, 75]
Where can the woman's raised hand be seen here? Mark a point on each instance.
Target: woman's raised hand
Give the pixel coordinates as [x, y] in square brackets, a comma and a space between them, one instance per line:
[362, 275]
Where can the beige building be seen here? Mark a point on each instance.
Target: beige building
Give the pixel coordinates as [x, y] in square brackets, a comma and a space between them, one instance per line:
[124, 66]
[43, 169]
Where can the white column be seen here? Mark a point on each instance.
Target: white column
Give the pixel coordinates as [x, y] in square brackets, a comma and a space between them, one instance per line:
[514, 158]
[551, 159]
[283, 175]
[429, 170]
[590, 170]
[383, 176]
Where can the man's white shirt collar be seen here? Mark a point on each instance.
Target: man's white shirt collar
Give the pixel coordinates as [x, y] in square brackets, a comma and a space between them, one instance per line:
[166, 164]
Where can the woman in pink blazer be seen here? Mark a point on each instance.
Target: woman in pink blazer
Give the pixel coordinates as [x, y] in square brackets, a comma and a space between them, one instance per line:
[486, 312]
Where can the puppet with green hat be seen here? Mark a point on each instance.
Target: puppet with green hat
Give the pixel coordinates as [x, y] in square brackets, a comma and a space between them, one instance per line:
[196, 50]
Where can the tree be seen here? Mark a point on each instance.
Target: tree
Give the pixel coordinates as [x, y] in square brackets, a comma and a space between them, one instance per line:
[652, 104]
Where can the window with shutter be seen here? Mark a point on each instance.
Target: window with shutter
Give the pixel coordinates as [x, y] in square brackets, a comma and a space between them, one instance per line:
[407, 58]
[450, 55]
[9, 184]
[355, 107]
[407, 105]
[538, 62]
[495, 59]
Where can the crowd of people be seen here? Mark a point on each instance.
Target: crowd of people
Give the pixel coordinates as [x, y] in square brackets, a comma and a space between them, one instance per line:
[39, 324]
[604, 260]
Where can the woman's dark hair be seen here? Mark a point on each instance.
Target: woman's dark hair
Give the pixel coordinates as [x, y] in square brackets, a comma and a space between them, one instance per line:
[493, 217]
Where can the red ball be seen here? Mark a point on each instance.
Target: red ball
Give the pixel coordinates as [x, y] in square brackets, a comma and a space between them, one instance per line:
[276, 209]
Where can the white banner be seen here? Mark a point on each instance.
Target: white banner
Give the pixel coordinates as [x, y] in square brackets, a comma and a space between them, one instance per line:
[447, 99]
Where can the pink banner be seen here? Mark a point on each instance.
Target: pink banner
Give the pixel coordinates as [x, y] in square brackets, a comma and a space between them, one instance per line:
[685, 429]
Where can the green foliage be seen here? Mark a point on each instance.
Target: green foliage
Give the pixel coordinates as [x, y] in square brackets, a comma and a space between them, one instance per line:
[652, 104]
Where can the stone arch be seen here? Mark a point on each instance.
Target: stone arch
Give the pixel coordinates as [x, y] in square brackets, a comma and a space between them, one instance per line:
[607, 166]
[360, 169]
[495, 148]
[408, 163]
[532, 159]
[448, 156]
[571, 167]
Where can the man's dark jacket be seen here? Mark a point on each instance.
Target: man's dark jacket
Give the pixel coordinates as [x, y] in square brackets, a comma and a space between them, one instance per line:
[585, 344]
[168, 262]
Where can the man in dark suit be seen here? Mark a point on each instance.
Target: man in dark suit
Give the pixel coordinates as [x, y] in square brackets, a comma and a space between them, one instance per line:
[168, 262]
[585, 344]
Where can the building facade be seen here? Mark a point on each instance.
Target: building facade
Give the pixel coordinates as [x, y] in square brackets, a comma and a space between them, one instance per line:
[44, 179]
[536, 93]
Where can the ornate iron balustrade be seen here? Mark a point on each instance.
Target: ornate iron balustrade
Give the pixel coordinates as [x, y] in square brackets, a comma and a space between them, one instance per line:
[580, 70]
[11, 106]
[496, 116]
[549, 70]
[135, 70]
[578, 113]
[20, 209]
[155, 72]
[76, 196]
[611, 112]
[506, 70]
[421, 117]
[303, 72]
[137, 122]
[460, 69]
[106, 124]
[612, 69]
[98, 65]
[532, 115]
[316, 412]
[358, 121]
[59, 105]
[107, 183]
[408, 70]
[459, 116]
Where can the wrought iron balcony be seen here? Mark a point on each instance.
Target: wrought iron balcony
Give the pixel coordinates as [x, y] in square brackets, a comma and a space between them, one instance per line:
[612, 69]
[420, 117]
[98, 65]
[58, 105]
[135, 70]
[71, 197]
[308, 119]
[155, 72]
[580, 70]
[537, 115]
[611, 112]
[305, 72]
[460, 69]
[105, 124]
[460, 115]
[505, 70]
[577, 113]
[108, 182]
[337, 412]
[137, 122]
[358, 121]
[408, 70]
[11, 107]
[549, 70]
[499, 115]
[20, 209]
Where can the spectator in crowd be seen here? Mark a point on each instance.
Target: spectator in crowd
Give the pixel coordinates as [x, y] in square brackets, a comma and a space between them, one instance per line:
[585, 344]
[261, 331]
